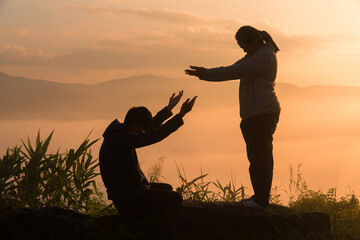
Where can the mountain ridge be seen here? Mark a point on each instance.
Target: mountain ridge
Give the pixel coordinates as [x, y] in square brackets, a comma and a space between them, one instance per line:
[151, 76]
[25, 98]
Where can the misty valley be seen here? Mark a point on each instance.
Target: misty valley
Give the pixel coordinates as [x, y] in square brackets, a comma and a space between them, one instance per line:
[318, 125]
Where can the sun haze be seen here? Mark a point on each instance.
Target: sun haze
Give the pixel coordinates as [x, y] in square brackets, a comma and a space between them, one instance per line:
[95, 41]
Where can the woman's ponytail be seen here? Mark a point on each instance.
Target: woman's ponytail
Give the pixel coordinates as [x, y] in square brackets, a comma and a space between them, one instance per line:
[250, 34]
[268, 39]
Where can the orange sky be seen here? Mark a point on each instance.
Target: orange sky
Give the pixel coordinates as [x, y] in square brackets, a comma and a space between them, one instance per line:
[91, 41]
[97, 40]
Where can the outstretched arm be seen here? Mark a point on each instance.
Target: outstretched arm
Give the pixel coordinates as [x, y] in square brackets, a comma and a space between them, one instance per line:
[212, 74]
[245, 67]
[134, 140]
[140, 140]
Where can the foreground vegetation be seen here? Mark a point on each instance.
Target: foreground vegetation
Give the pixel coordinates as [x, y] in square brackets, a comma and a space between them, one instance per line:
[31, 177]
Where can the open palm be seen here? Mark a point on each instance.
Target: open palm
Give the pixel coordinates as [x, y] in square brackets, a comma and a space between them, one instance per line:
[174, 100]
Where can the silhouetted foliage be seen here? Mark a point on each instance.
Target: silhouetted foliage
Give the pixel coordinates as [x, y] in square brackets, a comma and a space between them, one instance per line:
[31, 177]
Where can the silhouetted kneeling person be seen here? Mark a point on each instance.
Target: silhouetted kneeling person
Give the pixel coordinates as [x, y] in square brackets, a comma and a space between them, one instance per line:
[124, 180]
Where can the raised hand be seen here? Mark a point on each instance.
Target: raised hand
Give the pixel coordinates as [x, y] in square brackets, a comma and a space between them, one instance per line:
[174, 100]
[187, 106]
[195, 71]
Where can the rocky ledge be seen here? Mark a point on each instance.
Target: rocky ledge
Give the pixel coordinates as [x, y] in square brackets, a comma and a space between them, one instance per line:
[194, 220]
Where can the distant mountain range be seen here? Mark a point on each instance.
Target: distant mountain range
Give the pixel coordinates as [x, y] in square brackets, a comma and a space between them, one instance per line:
[24, 98]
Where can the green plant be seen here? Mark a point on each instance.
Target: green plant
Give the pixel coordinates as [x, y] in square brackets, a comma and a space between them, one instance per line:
[297, 186]
[274, 195]
[10, 166]
[198, 189]
[229, 192]
[155, 171]
[33, 178]
[344, 212]
[96, 206]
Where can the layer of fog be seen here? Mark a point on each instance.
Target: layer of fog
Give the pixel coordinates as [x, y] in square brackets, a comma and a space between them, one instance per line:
[318, 127]
[211, 142]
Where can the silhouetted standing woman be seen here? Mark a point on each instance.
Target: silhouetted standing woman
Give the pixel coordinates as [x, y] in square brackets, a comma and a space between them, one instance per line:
[259, 106]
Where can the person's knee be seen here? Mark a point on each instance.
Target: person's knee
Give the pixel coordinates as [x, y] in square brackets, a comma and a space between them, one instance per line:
[178, 198]
[161, 186]
[167, 187]
[174, 199]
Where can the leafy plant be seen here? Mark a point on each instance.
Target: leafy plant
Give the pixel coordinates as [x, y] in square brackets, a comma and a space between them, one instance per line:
[33, 178]
[198, 189]
[344, 212]
[297, 186]
[10, 166]
[229, 192]
[155, 171]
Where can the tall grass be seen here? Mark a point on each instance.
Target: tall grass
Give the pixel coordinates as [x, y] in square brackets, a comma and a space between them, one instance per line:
[200, 189]
[344, 211]
[31, 177]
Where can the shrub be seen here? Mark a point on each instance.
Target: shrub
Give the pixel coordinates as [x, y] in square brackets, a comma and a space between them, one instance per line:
[30, 177]
[344, 212]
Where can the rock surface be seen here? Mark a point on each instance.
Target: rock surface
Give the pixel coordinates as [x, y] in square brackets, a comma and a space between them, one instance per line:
[194, 220]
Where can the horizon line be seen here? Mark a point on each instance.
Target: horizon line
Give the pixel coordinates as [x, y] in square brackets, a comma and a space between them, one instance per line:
[159, 76]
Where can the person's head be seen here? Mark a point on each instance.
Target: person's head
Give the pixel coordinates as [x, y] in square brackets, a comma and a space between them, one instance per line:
[250, 39]
[138, 119]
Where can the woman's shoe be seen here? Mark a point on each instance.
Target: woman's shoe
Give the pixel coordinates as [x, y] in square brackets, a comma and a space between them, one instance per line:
[251, 204]
[247, 199]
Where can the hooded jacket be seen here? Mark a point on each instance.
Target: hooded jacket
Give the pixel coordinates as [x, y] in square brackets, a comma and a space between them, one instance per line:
[257, 73]
[119, 165]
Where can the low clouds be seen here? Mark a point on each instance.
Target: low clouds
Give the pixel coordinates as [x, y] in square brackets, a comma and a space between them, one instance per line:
[19, 31]
[174, 50]
[169, 16]
[12, 54]
[209, 29]
[207, 41]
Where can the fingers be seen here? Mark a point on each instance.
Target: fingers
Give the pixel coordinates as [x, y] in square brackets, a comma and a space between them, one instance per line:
[179, 95]
[187, 106]
[192, 73]
[189, 102]
[195, 71]
[193, 100]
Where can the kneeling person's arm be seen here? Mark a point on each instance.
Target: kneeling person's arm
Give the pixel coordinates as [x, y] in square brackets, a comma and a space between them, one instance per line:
[134, 140]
